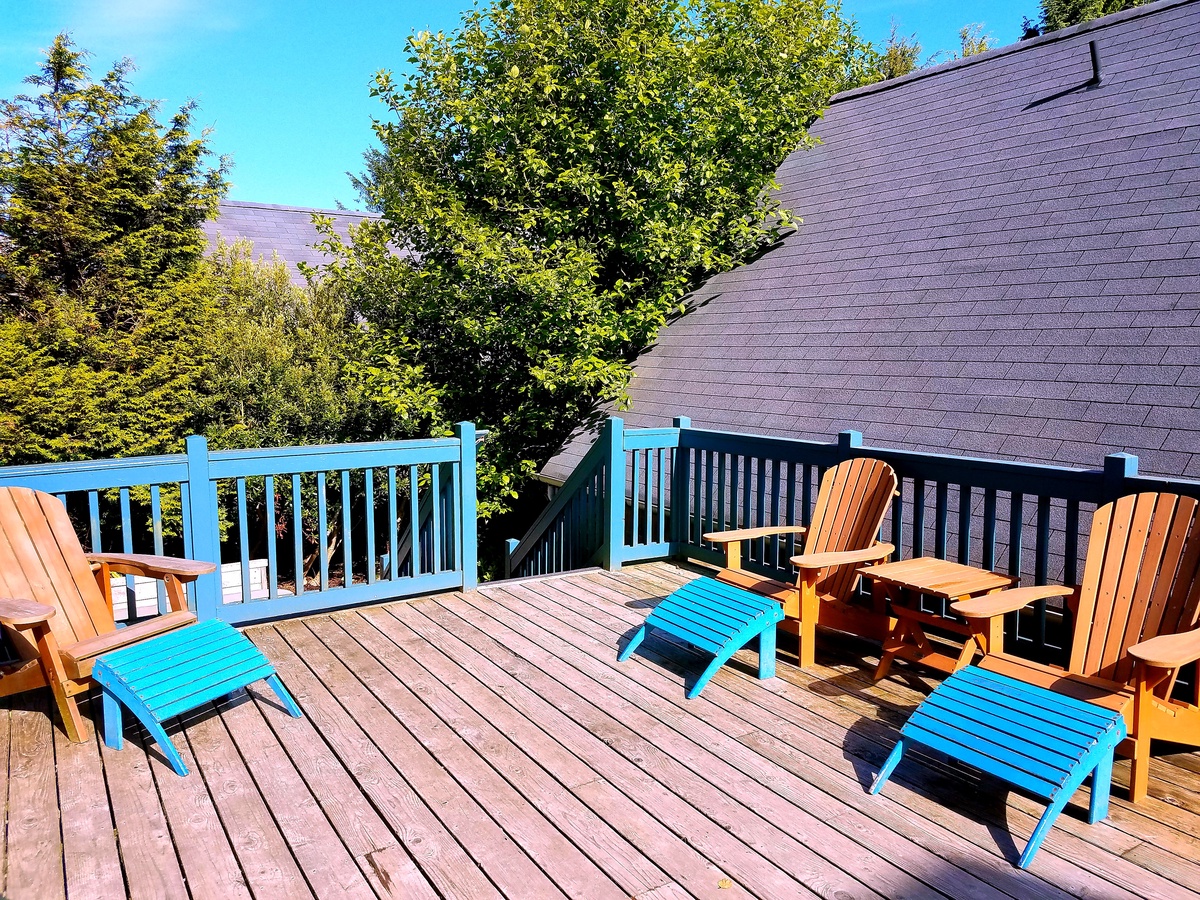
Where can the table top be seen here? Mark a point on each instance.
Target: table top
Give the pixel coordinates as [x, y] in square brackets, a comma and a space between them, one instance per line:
[938, 577]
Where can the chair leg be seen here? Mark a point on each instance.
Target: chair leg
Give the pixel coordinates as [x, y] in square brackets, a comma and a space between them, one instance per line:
[889, 766]
[114, 725]
[1139, 770]
[1043, 828]
[809, 609]
[284, 697]
[1101, 788]
[56, 677]
[766, 652]
[632, 645]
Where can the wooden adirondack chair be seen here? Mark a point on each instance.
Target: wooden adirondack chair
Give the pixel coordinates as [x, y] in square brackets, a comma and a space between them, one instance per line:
[842, 536]
[1135, 623]
[56, 600]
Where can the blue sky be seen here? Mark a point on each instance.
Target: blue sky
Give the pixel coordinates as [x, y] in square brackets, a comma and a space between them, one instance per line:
[284, 85]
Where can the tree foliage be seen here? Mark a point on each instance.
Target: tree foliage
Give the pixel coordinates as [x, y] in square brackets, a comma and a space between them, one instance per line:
[555, 176]
[1056, 14]
[900, 55]
[100, 214]
[973, 41]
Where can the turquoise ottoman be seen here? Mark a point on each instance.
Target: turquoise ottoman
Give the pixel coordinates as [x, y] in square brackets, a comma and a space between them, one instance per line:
[1031, 737]
[169, 675]
[719, 619]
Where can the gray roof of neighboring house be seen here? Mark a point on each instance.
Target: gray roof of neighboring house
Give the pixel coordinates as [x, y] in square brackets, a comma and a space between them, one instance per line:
[286, 231]
[989, 265]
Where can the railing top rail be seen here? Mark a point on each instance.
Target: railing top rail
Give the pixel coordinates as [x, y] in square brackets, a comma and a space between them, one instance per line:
[97, 474]
[1028, 477]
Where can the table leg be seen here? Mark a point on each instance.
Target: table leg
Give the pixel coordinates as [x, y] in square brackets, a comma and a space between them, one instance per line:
[887, 597]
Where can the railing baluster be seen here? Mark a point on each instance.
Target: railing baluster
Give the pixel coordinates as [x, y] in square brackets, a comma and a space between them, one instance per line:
[650, 497]
[185, 502]
[898, 521]
[964, 524]
[414, 512]
[941, 500]
[1016, 524]
[323, 530]
[989, 528]
[708, 494]
[298, 534]
[776, 490]
[347, 553]
[747, 487]
[243, 539]
[760, 511]
[735, 468]
[1041, 567]
[131, 610]
[156, 526]
[1071, 544]
[437, 519]
[635, 512]
[722, 463]
[918, 538]
[393, 528]
[272, 561]
[369, 513]
[697, 520]
[662, 495]
[94, 520]
[792, 549]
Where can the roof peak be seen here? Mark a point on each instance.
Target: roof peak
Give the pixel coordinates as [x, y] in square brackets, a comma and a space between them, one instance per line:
[1019, 47]
[250, 204]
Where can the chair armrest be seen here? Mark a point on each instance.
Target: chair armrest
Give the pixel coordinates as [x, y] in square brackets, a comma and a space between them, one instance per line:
[153, 566]
[23, 613]
[1169, 651]
[842, 557]
[745, 534]
[1002, 602]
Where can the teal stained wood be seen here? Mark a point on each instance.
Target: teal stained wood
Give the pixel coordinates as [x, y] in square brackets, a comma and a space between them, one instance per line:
[1033, 738]
[719, 619]
[163, 677]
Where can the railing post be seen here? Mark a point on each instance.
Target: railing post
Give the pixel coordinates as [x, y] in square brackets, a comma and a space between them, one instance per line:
[467, 511]
[849, 440]
[510, 547]
[206, 529]
[679, 487]
[1118, 467]
[614, 494]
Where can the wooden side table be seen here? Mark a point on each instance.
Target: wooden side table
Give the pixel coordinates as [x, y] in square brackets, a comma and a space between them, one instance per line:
[935, 578]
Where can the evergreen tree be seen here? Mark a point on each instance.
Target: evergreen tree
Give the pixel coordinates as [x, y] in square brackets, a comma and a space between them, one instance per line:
[1058, 14]
[100, 223]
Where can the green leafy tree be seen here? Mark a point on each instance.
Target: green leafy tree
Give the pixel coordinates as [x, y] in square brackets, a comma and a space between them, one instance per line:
[973, 41]
[900, 55]
[1056, 14]
[554, 177]
[100, 215]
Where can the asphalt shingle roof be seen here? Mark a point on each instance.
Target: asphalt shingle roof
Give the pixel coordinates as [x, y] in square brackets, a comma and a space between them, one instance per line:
[980, 270]
[286, 231]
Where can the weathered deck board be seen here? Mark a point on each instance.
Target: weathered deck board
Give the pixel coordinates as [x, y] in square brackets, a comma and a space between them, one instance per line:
[488, 744]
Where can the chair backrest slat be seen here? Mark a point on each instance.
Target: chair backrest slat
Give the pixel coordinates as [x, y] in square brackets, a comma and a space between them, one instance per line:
[41, 559]
[1140, 580]
[851, 502]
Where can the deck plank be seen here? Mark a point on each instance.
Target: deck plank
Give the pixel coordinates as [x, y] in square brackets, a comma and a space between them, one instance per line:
[487, 744]
[715, 754]
[34, 851]
[508, 867]
[563, 863]
[152, 870]
[431, 846]
[327, 866]
[89, 840]
[537, 787]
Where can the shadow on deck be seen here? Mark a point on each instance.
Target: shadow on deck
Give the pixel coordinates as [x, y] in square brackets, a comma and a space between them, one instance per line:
[488, 744]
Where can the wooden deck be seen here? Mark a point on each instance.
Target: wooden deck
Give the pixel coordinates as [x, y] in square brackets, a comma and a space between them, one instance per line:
[488, 744]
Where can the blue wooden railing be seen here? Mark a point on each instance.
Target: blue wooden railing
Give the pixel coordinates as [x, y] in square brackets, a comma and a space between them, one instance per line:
[222, 506]
[651, 494]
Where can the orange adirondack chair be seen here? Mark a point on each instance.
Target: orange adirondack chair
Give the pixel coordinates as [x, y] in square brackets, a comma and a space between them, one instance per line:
[56, 600]
[1135, 617]
[851, 502]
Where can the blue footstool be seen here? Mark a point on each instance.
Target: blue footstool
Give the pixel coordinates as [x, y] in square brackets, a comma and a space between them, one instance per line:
[1031, 737]
[719, 619]
[166, 676]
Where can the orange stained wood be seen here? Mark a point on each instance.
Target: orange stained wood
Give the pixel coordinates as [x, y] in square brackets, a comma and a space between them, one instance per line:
[55, 602]
[1141, 580]
[852, 500]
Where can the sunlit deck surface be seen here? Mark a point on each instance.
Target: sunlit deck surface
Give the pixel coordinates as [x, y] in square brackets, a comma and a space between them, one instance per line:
[488, 744]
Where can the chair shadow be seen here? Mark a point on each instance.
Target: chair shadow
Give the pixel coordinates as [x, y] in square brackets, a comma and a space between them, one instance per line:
[957, 788]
